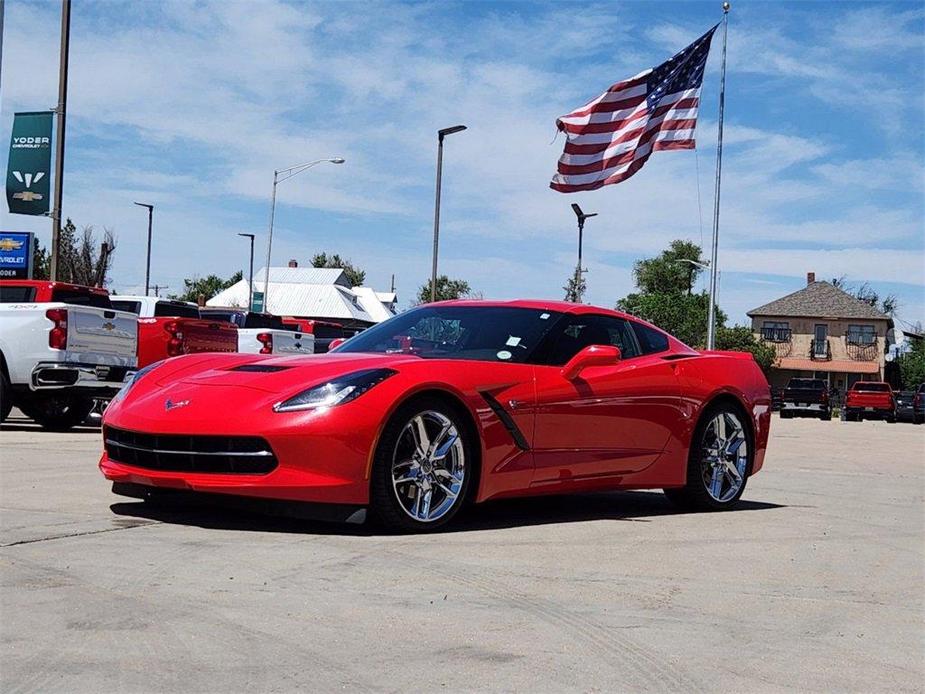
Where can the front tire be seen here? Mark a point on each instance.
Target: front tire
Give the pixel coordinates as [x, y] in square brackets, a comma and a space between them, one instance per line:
[58, 411]
[423, 467]
[719, 461]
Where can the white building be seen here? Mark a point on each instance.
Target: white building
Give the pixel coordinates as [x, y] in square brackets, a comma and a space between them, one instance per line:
[316, 293]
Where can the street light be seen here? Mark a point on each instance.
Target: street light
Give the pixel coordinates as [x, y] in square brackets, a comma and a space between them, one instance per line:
[440, 135]
[277, 178]
[250, 277]
[581, 227]
[148, 264]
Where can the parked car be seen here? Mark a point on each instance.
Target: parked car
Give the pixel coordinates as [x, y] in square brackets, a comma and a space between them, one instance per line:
[263, 333]
[170, 328]
[806, 396]
[62, 346]
[918, 404]
[445, 404]
[324, 332]
[905, 405]
[870, 400]
[777, 398]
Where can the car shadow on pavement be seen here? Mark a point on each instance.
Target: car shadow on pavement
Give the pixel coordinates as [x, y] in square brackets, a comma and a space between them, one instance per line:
[630, 506]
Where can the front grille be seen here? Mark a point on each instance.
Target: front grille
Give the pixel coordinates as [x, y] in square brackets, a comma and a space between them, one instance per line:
[246, 455]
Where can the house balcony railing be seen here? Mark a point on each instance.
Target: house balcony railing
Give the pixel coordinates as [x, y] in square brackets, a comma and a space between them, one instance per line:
[862, 350]
[776, 334]
[820, 350]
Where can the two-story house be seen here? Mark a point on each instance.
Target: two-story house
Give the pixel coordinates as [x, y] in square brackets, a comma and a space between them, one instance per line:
[823, 332]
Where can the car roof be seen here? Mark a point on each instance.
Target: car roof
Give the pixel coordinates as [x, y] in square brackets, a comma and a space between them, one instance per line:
[540, 304]
[54, 285]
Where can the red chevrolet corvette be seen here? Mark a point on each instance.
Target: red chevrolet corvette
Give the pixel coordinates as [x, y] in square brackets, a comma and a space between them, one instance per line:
[448, 403]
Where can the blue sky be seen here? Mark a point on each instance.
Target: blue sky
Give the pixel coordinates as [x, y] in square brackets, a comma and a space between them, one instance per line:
[191, 107]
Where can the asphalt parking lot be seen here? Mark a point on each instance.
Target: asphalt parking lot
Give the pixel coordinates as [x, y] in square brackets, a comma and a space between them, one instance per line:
[815, 584]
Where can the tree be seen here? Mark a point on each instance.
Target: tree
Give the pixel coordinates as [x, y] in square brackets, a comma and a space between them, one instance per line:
[575, 288]
[912, 365]
[41, 261]
[740, 338]
[666, 297]
[206, 286]
[888, 304]
[80, 261]
[354, 275]
[446, 289]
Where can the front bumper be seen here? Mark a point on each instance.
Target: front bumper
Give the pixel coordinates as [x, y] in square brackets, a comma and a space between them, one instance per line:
[98, 378]
[804, 407]
[337, 513]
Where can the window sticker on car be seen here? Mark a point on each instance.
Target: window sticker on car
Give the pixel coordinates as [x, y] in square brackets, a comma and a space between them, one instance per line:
[504, 355]
[544, 316]
[512, 341]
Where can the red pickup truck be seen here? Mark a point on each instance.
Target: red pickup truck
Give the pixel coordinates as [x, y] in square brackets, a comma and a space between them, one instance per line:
[169, 328]
[870, 399]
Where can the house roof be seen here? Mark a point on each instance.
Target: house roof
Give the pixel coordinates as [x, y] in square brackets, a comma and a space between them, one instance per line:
[820, 300]
[297, 299]
[304, 275]
[379, 305]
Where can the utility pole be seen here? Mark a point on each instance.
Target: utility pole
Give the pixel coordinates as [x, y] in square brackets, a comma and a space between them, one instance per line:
[581, 228]
[250, 276]
[61, 112]
[157, 289]
[440, 135]
[148, 263]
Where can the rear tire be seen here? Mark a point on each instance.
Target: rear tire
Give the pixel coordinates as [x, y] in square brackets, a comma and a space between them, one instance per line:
[825, 416]
[719, 461]
[423, 467]
[784, 414]
[6, 397]
[58, 411]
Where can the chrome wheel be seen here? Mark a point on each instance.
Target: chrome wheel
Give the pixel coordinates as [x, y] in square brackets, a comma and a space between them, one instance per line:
[724, 456]
[428, 466]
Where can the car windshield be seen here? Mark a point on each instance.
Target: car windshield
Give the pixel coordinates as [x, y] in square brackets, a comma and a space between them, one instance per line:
[872, 387]
[482, 333]
[807, 383]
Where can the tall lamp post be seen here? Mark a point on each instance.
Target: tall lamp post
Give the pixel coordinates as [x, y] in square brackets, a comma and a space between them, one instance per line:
[581, 228]
[250, 276]
[279, 176]
[440, 135]
[148, 263]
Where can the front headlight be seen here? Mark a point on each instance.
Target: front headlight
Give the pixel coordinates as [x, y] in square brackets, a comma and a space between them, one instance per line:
[137, 376]
[336, 391]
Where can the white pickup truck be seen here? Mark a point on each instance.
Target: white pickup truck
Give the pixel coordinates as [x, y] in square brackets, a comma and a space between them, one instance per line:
[263, 333]
[62, 346]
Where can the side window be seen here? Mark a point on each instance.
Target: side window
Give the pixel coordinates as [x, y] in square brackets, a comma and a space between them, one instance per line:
[650, 341]
[583, 331]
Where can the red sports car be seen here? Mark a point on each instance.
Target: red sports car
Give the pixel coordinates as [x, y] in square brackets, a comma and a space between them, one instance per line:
[445, 404]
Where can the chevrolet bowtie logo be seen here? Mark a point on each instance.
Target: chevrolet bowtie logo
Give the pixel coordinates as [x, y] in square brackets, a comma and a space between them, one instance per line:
[171, 405]
[109, 326]
[10, 244]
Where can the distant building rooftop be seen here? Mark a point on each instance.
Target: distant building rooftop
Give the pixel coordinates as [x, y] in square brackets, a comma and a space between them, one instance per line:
[819, 299]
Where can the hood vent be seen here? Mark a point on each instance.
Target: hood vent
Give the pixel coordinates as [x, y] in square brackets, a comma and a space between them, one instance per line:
[260, 368]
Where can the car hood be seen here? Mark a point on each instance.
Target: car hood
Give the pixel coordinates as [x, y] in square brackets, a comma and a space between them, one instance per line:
[271, 374]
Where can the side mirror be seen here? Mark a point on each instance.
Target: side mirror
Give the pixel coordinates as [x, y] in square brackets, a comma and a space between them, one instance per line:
[336, 342]
[593, 355]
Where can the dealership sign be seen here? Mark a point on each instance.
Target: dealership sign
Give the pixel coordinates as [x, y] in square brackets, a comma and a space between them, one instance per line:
[27, 177]
[15, 254]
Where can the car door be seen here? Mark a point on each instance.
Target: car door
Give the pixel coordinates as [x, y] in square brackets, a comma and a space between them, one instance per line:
[611, 420]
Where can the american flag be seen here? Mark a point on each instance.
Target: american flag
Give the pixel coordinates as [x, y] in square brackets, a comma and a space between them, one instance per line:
[612, 136]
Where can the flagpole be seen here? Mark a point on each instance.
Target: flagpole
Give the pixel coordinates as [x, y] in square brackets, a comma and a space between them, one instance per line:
[711, 324]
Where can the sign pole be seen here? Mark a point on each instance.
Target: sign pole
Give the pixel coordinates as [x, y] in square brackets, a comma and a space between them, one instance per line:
[711, 324]
[61, 111]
